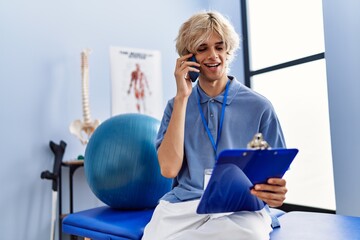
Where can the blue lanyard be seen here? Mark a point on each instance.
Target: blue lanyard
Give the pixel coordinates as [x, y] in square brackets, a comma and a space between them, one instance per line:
[221, 119]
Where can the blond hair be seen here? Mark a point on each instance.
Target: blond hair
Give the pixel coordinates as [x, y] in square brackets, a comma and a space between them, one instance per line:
[198, 28]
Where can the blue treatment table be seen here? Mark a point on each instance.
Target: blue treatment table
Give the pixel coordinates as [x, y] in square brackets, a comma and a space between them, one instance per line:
[317, 226]
[107, 223]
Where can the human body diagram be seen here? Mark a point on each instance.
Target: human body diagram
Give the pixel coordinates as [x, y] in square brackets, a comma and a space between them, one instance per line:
[139, 84]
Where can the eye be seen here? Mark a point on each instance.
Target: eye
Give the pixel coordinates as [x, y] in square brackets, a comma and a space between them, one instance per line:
[220, 47]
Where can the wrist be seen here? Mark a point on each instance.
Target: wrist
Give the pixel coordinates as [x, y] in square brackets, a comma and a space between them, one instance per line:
[182, 99]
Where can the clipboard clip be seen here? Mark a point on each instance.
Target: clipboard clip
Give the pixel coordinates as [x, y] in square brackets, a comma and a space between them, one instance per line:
[258, 142]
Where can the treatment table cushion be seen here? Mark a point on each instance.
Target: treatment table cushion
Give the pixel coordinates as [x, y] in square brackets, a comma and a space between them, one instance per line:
[107, 223]
[316, 226]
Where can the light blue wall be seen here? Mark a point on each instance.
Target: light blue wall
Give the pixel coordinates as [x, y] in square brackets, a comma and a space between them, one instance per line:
[40, 88]
[342, 50]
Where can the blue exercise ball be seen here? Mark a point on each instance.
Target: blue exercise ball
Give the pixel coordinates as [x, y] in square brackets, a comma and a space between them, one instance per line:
[121, 165]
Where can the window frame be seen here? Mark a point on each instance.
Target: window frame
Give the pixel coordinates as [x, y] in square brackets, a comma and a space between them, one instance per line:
[249, 73]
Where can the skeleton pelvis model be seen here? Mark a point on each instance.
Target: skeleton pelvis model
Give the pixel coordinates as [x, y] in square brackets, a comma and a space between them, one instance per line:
[87, 126]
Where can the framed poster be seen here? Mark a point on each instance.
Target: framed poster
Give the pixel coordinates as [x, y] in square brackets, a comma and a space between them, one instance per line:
[136, 84]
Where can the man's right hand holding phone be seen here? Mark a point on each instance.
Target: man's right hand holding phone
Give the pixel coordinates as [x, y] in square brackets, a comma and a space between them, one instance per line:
[185, 67]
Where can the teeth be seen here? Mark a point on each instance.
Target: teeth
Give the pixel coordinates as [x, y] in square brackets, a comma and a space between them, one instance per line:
[212, 65]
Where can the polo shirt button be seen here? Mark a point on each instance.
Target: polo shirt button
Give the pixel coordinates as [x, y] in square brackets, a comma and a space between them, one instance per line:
[211, 115]
[212, 100]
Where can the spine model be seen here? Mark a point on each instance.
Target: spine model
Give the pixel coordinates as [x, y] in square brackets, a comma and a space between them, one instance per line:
[87, 126]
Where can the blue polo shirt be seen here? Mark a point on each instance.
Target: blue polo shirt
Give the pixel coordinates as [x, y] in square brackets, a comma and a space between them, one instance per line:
[246, 113]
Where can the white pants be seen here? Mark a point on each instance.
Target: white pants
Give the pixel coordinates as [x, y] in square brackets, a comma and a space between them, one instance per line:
[179, 221]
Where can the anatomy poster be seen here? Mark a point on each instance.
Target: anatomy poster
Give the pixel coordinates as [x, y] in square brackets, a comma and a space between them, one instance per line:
[136, 81]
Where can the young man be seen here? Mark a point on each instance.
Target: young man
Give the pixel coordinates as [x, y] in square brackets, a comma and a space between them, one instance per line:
[199, 122]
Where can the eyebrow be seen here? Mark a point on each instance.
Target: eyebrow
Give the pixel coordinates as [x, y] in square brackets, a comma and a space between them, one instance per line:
[217, 43]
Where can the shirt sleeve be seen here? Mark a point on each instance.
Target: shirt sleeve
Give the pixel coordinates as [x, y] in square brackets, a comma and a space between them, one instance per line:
[271, 129]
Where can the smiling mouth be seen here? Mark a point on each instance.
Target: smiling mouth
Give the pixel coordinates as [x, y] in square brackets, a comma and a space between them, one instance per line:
[211, 65]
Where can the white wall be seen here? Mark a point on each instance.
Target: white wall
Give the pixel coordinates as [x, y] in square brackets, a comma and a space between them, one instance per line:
[40, 88]
[342, 52]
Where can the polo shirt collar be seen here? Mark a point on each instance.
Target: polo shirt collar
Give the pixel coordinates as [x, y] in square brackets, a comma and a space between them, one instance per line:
[233, 89]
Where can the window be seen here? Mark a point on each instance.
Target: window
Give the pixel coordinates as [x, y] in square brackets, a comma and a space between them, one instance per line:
[284, 50]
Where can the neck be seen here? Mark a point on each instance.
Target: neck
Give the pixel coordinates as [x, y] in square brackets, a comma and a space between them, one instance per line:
[213, 88]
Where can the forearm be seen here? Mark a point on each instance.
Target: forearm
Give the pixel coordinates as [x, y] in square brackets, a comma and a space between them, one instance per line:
[171, 150]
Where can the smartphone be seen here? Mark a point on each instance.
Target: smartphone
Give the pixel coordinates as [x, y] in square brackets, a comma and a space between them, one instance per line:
[193, 75]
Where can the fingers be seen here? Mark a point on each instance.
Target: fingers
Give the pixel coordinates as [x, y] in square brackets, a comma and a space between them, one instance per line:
[272, 199]
[183, 66]
[183, 59]
[277, 181]
[186, 77]
[273, 192]
[180, 62]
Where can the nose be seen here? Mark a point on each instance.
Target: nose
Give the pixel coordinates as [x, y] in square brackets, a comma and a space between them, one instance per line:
[212, 54]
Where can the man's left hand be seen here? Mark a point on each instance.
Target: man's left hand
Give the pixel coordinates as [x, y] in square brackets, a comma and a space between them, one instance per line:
[273, 192]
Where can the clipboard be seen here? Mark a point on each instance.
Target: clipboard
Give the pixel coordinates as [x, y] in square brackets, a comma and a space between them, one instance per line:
[236, 172]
